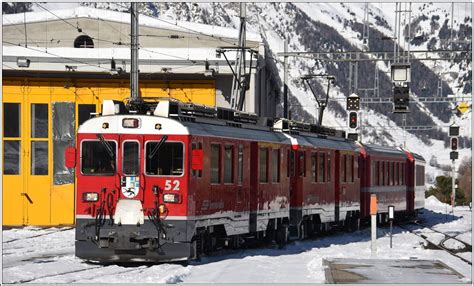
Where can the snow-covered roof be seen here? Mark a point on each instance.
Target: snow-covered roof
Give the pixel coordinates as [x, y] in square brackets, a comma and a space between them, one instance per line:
[109, 15]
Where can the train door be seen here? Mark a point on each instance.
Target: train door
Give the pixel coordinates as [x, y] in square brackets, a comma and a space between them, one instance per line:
[254, 187]
[132, 180]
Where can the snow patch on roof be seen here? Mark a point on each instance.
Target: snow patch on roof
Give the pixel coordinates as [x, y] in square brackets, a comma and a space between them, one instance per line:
[109, 15]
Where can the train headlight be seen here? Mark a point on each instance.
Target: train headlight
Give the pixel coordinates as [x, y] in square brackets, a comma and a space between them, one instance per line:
[172, 198]
[130, 123]
[90, 197]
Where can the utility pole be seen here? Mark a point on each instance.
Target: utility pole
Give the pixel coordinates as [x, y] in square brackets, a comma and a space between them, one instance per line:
[240, 84]
[134, 94]
[285, 81]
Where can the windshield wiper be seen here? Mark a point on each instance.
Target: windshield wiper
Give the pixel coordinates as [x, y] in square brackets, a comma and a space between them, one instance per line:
[107, 146]
[153, 152]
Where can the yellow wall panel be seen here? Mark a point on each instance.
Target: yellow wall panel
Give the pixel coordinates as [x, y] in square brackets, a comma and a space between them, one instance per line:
[51, 204]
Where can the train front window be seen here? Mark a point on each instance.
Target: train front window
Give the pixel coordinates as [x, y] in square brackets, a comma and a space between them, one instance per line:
[166, 161]
[131, 159]
[97, 159]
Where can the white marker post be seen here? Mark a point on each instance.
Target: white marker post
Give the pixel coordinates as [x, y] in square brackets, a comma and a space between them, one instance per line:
[373, 215]
[391, 216]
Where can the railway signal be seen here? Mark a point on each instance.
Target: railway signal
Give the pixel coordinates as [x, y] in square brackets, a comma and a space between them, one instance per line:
[353, 119]
[353, 102]
[453, 130]
[453, 155]
[454, 143]
[401, 77]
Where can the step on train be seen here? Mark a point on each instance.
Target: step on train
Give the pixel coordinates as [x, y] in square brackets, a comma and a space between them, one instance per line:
[172, 181]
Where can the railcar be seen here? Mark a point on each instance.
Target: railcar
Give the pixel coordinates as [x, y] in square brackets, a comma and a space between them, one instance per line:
[174, 181]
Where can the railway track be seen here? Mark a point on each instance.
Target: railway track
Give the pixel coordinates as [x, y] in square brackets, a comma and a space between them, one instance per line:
[38, 235]
[439, 245]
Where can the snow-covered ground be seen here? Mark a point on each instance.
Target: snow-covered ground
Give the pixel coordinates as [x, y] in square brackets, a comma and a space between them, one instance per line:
[47, 256]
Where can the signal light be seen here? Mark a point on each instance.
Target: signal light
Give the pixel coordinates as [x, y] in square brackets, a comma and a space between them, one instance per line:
[353, 102]
[454, 143]
[353, 119]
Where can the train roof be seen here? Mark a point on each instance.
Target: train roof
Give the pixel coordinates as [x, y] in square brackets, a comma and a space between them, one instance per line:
[377, 150]
[418, 157]
[212, 128]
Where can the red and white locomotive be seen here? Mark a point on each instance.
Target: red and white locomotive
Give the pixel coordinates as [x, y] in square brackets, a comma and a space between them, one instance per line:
[179, 180]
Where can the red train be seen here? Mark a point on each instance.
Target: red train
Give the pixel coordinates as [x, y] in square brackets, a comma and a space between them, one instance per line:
[181, 180]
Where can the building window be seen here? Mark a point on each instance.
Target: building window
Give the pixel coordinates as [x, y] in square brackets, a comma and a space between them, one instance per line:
[215, 162]
[11, 120]
[83, 41]
[240, 177]
[263, 165]
[85, 111]
[39, 120]
[276, 166]
[228, 164]
[11, 157]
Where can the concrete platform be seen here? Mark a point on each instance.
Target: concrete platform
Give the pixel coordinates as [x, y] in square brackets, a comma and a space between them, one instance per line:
[354, 271]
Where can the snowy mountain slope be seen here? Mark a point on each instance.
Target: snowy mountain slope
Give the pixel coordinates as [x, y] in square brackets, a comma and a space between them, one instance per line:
[338, 26]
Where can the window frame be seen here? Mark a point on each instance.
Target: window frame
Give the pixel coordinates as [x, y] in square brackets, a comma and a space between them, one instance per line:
[96, 140]
[167, 141]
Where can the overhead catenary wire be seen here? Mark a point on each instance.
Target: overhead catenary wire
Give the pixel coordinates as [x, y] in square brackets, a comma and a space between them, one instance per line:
[55, 55]
[44, 8]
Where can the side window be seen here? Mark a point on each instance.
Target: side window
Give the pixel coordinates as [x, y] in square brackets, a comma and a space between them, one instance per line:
[215, 162]
[291, 163]
[351, 167]
[276, 166]
[400, 174]
[395, 174]
[387, 173]
[314, 162]
[241, 165]
[39, 130]
[343, 168]
[263, 165]
[302, 163]
[322, 167]
[329, 167]
[381, 174]
[392, 173]
[228, 164]
[11, 129]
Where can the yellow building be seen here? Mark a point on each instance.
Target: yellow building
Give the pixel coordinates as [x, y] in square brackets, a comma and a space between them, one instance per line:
[55, 79]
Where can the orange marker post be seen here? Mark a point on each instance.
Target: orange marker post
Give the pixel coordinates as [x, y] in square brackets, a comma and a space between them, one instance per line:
[373, 215]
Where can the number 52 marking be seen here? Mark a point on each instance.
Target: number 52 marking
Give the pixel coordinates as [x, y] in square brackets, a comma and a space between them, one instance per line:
[172, 185]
